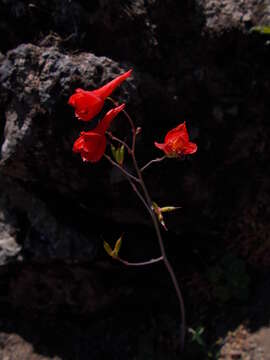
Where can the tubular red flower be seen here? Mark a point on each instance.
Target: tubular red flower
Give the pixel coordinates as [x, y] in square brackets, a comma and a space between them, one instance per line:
[88, 104]
[105, 123]
[176, 142]
[92, 144]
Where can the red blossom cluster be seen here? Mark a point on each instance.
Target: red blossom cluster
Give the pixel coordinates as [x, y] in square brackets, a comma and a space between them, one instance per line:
[92, 144]
[87, 104]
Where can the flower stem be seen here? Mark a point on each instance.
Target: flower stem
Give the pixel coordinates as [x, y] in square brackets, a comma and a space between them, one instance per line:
[125, 113]
[143, 263]
[146, 200]
[163, 253]
[121, 168]
[119, 141]
[152, 161]
[148, 203]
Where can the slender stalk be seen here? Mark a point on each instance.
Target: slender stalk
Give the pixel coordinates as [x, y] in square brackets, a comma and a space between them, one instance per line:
[149, 204]
[134, 187]
[121, 168]
[164, 255]
[143, 263]
[146, 199]
[129, 177]
[152, 161]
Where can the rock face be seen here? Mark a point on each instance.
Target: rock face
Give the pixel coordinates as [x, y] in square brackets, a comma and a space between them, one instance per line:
[194, 61]
[9, 248]
[38, 137]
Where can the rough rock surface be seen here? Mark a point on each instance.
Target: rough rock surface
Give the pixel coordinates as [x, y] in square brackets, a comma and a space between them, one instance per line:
[193, 60]
[9, 248]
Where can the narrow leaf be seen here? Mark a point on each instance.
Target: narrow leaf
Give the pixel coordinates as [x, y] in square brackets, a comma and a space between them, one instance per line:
[107, 248]
[117, 246]
[169, 208]
[155, 207]
[121, 154]
[158, 212]
[113, 149]
[261, 29]
[117, 155]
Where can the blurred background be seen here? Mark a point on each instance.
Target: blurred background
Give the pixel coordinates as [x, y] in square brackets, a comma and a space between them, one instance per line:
[61, 296]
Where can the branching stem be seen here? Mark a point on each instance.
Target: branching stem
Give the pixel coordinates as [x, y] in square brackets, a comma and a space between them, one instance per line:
[146, 200]
[125, 113]
[163, 252]
[143, 263]
[119, 141]
[121, 168]
[151, 162]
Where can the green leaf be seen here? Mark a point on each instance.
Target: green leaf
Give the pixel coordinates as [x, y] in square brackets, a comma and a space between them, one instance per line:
[107, 248]
[118, 154]
[158, 212]
[169, 208]
[265, 30]
[117, 246]
[155, 207]
[121, 154]
[113, 149]
[197, 335]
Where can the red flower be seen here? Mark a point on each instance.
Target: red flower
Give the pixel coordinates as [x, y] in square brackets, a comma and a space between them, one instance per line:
[177, 142]
[92, 144]
[88, 104]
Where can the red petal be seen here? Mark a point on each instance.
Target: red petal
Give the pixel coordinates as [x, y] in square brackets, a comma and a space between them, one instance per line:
[71, 100]
[95, 148]
[159, 146]
[190, 148]
[180, 130]
[90, 136]
[163, 147]
[79, 90]
[107, 89]
[90, 145]
[108, 118]
[78, 145]
[86, 104]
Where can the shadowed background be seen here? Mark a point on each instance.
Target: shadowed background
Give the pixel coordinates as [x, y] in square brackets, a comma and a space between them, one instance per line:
[61, 296]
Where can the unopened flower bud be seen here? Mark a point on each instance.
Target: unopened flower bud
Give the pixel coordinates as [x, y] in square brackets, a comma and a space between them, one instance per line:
[118, 154]
[138, 130]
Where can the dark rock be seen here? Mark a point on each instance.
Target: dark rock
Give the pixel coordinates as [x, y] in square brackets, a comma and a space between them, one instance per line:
[9, 247]
[31, 231]
[36, 84]
[200, 82]
[192, 60]
[141, 30]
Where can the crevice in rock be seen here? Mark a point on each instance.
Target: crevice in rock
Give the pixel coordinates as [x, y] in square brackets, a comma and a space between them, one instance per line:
[2, 129]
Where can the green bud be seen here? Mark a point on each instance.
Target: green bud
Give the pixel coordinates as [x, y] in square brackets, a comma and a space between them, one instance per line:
[138, 130]
[121, 154]
[118, 154]
[113, 149]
